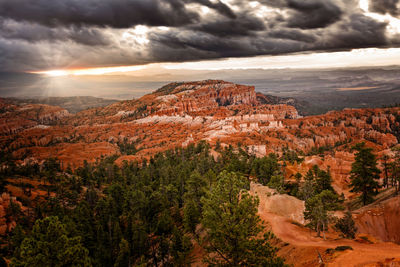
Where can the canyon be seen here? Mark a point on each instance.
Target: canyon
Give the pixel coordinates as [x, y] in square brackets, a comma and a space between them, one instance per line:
[183, 113]
[222, 114]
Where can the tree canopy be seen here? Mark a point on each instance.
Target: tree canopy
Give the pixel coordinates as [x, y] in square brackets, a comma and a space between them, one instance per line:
[318, 208]
[364, 173]
[141, 213]
[233, 226]
[50, 244]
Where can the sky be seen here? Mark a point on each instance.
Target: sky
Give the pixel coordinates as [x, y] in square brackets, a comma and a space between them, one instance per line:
[100, 37]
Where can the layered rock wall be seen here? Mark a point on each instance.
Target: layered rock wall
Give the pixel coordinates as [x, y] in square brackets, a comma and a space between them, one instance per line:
[381, 220]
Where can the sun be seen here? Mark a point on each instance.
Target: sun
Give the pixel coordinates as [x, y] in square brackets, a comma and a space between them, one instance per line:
[56, 73]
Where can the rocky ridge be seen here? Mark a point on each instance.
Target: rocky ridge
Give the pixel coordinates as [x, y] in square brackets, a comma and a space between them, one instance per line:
[14, 117]
[182, 113]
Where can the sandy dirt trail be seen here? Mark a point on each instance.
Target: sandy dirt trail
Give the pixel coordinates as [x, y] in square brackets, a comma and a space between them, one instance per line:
[361, 255]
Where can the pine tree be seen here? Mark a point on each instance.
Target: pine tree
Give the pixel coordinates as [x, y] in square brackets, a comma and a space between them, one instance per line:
[196, 189]
[386, 165]
[277, 182]
[364, 173]
[191, 216]
[49, 244]
[323, 179]
[347, 226]
[123, 258]
[233, 226]
[308, 189]
[181, 249]
[318, 208]
[395, 170]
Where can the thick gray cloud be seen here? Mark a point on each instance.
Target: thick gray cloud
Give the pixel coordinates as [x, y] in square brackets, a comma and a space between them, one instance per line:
[107, 13]
[49, 34]
[293, 34]
[385, 6]
[358, 31]
[111, 13]
[219, 6]
[313, 14]
[308, 14]
[242, 25]
[37, 33]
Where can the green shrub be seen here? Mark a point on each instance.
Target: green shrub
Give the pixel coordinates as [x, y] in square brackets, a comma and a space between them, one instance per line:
[346, 226]
[343, 248]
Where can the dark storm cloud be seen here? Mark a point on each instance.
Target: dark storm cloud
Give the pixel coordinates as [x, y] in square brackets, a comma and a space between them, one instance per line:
[46, 34]
[111, 13]
[171, 46]
[218, 6]
[308, 14]
[115, 13]
[358, 31]
[17, 56]
[313, 14]
[293, 34]
[385, 6]
[36, 33]
[243, 25]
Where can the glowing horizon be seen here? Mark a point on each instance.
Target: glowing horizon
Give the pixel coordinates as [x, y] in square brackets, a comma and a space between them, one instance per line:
[90, 71]
[368, 57]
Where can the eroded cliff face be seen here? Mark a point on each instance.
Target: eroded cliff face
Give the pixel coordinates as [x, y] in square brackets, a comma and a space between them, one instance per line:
[205, 95]
[380, 220]
[175, 115]
[70, 154]
[205, 98]
[182, 113]
[14, 118]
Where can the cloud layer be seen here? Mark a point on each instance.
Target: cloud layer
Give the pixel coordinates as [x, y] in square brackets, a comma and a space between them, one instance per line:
[53, 34]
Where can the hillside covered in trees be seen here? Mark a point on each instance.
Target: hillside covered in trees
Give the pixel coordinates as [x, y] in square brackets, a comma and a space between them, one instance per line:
[149, 213]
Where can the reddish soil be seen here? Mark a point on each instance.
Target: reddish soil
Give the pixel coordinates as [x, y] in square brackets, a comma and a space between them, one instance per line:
[301, 238]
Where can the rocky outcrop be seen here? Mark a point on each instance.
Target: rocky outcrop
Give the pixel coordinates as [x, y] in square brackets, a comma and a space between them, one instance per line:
[204, 98]
[280, 204]
[182, 113]
[69, 154]
[380, 220]
[205, 95]
[221, 92]
[15, 118]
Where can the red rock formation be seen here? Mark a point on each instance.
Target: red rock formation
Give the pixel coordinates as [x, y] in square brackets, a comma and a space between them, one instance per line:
[381, 220]
[282, 205]
[180, 113]
[69, 154]
[15, 118]
[6, 223]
